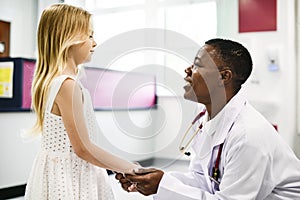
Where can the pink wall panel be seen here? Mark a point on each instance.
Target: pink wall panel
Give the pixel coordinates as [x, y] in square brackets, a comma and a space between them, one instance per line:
[120, 90]
[257, 15]
[28, 70]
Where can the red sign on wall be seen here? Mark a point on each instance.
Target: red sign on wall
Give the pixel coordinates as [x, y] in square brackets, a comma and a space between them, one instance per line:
[257, 15]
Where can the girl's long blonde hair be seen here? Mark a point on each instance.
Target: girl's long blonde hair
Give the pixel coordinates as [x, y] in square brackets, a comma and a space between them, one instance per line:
[60, 27]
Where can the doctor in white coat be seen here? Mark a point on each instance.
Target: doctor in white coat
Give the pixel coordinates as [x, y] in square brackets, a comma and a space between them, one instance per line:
[237, 154]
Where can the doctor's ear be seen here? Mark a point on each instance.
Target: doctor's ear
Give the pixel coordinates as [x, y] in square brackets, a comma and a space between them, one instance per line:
[226, 76]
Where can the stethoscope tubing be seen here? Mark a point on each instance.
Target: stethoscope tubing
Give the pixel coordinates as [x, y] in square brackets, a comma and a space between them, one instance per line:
[182, 148]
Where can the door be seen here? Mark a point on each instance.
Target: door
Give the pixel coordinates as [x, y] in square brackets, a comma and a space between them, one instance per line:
[4, 38]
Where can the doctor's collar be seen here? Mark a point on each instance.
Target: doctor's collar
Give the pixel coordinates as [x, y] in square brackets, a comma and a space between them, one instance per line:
[211, 124]
[228, 110]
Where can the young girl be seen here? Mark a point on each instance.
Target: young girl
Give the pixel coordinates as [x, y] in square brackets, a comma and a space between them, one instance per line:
[68, 165]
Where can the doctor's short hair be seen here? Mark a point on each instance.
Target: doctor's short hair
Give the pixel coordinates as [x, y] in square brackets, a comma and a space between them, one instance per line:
[235, 57]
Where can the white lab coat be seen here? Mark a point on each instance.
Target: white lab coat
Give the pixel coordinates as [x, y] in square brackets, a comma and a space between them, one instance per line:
[255, 163]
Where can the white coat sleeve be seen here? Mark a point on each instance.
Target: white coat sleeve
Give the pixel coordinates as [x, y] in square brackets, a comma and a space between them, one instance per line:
[178, 186]
[243, 178]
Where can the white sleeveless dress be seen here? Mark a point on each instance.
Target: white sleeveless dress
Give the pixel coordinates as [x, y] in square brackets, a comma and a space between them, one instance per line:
[58, 173]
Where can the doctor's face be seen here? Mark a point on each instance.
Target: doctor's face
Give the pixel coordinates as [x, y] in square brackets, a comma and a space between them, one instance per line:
[203, 77]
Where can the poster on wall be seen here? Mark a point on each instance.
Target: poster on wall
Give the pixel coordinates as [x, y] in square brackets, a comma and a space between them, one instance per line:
[6, 79]
[257, 15]
[15, 84]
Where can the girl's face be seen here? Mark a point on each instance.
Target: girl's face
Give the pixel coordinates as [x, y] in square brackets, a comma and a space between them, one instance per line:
[82, 52]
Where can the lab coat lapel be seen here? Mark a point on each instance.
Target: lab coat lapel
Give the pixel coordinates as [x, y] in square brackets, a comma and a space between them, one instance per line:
[202, 147]
[212, 135]
[215, 134]
[228, 117]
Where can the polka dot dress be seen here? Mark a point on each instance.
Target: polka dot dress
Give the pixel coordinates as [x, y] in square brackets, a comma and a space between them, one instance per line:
[58, 173]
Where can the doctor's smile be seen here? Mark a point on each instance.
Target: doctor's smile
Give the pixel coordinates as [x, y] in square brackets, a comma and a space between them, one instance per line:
[188, 84]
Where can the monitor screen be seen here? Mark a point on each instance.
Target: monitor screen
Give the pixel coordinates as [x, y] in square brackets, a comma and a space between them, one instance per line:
[112, 89]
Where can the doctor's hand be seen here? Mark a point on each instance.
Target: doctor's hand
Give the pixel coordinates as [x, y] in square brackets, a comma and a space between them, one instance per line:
[125, 183]
[146, 183]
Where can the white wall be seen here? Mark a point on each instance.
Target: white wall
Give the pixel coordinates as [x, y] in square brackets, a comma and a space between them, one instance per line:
[178, 114]
[127, 133]
[297, 138]
[16, 154]
[22, 16]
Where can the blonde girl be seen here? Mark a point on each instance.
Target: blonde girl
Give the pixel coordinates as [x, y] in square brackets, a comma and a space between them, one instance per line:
[69, 164]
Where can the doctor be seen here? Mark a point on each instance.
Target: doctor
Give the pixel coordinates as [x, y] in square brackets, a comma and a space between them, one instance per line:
[237, 154]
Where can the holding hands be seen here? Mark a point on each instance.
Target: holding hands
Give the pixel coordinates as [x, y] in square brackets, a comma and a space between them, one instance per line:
[143, 180]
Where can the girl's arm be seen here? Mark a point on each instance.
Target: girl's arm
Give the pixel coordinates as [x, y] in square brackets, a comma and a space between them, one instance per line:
[69, 101]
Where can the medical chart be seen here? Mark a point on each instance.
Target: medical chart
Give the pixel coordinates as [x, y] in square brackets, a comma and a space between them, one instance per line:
[6, 79]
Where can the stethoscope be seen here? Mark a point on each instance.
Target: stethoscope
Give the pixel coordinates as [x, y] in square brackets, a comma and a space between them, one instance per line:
[182, 148]
[215, 173]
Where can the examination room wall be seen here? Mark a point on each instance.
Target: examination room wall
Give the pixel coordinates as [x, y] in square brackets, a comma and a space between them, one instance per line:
[273, 93]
